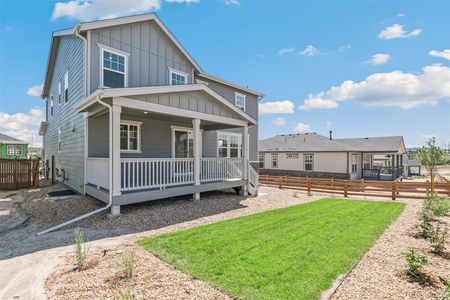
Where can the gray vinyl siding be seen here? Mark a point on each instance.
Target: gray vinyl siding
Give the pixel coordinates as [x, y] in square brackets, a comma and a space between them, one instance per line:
[251, 108]
[156, 138]
[151, 54]
[193, 101]
[71, 159]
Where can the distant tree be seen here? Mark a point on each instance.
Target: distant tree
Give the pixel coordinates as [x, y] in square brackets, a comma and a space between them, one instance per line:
[431, 156]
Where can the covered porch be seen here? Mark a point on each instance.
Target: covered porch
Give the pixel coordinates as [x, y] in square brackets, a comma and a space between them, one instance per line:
[382, 166]
[161, 147]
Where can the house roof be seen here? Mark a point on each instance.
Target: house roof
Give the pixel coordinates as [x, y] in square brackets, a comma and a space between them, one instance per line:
[123, 92]
[413, 163]
[6, 139]
[229, 83]
[85, 26]
[314, 142]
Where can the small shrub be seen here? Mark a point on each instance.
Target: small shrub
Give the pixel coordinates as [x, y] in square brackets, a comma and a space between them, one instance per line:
[425, 227]
[438, 238]
[415, 262]
[126, 294]
[81, 249]
[129, 264]
[446, 293]
[440, 206]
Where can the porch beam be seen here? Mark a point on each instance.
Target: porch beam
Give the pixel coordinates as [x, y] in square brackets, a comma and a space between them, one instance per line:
[116, 111]
[245, 153]
[174, 111]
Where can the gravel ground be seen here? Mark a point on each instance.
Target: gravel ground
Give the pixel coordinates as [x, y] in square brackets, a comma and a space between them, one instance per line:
[380, 273]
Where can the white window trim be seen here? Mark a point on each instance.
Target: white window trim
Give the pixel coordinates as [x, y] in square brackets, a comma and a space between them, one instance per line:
[139, 125]
[181, 73]
[304, 162]
[236, 94]
[274, 155]
[13, 152]
[229, 134]
[263, 161]
[126, 55]
[66, 81]
[52, 110]
[59, 140]
[354, 164]
[183, 129]
[59, 92]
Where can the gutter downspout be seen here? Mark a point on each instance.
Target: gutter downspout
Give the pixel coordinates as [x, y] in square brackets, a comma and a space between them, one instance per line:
[110, 179]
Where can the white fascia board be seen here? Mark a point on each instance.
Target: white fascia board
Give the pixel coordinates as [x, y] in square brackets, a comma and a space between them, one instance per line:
[229, 83]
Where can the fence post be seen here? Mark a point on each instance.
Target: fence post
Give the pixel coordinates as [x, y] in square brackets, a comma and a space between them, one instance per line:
[308, 185]
[428, 187]
[332, 182]
[280, 182]
[448, 188]
[362, 185]
[393, 190]
[345, 188]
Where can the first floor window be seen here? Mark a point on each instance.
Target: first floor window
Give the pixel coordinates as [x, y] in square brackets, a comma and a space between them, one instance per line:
[308, 160]
[177, 77]
[10, 150]
[354, 163]
[130, 136]
[261, 161]
[59, 140]
[292, 155]
[240, 101]
[229, 144]
[367, 161]
[274, 160]
[18, 150]
[114, 67]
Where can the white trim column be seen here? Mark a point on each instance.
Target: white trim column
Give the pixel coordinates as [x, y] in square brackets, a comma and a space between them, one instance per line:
[245, 152]
[197, 153]
[116, 111]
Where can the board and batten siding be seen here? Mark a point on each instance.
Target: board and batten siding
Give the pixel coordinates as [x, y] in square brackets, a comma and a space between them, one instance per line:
[251, 108]
[70, 56]
[151, 53]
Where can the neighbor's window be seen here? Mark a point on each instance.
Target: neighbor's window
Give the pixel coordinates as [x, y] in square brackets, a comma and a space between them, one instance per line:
[308, 160]
[354, 163]
[10, 150]
[114, 69]
[59, 140]
[229, 144]
[367, 161]
[66, 86]
[274, 160]
[130, 133]
[59, 92]
[261, 161]
[18, 150]
[240, 101]
[292, 155]
[177, 77]
[51, 105]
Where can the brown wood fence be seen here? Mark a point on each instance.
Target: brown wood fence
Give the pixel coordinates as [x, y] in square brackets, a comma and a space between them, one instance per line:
[366, 188]
[18, 173]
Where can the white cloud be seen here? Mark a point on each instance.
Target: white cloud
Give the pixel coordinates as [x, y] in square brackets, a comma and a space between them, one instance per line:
[429, 136]
[344, 48]
[285, 51]
[233, 2]
[394, 89]
[261, 55]
[276, 107]
[443, 54]
[310, 50]
[35, 91]
[401, 15]
[88, 10]
[328, 125]
[302, 127]
[183, 1]
[396, 31]
[23, 125]
[379, 59]
[279, 121]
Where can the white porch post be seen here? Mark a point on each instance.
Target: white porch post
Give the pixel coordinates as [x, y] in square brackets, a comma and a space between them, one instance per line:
[245, 153]
[116, 110]
[197, 153]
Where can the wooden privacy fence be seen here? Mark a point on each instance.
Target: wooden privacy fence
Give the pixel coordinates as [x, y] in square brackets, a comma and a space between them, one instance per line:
[18, 173]
[366, 188]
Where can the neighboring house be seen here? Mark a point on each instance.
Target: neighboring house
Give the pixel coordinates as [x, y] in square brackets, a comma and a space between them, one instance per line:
[414, 167]
[12, 148]
[126, 89]
[315, 155]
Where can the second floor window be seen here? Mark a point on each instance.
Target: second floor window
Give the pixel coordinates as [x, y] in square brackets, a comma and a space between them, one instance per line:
[59, 92]
[59, 140]
[240, 101]
[114, 69]
[308, 160]
[66, 86]
[51, 105]
[177, 77]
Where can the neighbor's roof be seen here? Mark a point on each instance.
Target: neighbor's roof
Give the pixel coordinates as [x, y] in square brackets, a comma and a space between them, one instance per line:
[313, 142]
[85, 26]
[413, 162]
[6, 139]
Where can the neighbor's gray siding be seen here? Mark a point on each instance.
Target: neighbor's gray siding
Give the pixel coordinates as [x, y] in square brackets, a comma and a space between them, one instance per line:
[156, 138]
[151, 54]
[251, 108]
[70, 56]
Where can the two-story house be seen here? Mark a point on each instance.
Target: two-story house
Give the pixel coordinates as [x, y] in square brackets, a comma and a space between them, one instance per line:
[132, 117]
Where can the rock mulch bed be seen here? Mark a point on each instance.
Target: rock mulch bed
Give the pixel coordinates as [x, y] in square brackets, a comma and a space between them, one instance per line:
[381, 272]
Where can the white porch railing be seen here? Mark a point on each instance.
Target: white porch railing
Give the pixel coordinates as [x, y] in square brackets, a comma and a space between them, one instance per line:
[220, 168]
[97, 172]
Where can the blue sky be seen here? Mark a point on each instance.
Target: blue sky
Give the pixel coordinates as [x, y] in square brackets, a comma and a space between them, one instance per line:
[375, 55]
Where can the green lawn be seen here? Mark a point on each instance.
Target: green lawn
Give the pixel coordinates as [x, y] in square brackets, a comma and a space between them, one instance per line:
[289, 253]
